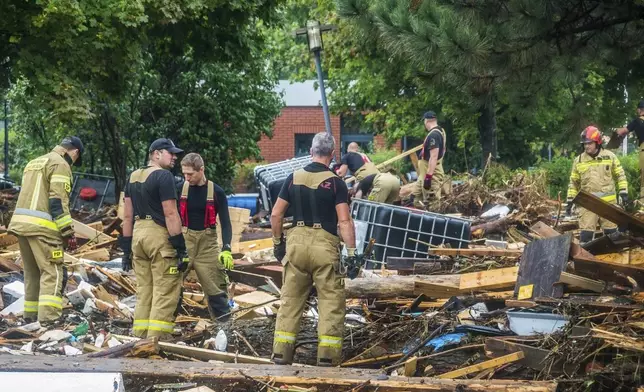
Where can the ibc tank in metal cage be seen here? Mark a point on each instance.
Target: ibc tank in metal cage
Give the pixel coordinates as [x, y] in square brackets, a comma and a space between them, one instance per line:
[395, 229]
[269, 178]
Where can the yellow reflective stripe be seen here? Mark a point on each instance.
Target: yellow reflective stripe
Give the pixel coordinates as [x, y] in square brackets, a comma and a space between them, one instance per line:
[60, 178]
[585, 165]
[140, 325]
[36, 195]
[35, 221]
[63, 221]
[159, 325]
[31, 306]
[330, 341]
[50, 300]
[623, 185]
[284, 337]
[609, 198]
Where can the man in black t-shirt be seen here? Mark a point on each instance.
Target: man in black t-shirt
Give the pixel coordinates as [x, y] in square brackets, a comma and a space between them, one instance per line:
[358, 163]
[200, 203]
[311, 253]
[153, 242]
[637, 126]
[430, 163]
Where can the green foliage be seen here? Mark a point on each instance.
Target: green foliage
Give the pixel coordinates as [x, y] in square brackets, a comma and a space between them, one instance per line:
[497, 176]
[381, 155]
[245, 175]
[630, 163]
[558, 175]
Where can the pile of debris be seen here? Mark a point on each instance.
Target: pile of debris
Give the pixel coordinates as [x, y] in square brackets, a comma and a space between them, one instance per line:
[524, 308]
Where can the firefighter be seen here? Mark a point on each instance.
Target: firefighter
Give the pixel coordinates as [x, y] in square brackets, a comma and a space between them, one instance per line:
[153, 243]
[430, 163]
[311, 253]
[43, 225]
[200, 203]
[381, 187]
[358, 163]
[595, 171]
[637, 126]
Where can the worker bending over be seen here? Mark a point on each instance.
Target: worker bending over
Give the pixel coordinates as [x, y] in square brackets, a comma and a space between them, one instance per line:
[595, 171]
[311, 253]
[637, 126]
[43, 225]
[200, 203]
[381, 187]
[430, 163]
[358, 163]
[152, 239]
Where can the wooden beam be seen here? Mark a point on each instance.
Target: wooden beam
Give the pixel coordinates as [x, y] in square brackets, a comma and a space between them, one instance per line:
[225, 374]
[249, 246]
[85, 231]
[371, 361]
[95, 255]
[500, 278]
[388, 162]
[409, 370]
[495, 252]
[580, 282]
[479, 367]
[435, 290]
[205, 354]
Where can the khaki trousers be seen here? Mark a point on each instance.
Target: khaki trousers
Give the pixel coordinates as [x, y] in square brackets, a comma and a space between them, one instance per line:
[312, 256]
[434, 193]
[158, 282]
[589, 221]
[386, 188]
[45, 276]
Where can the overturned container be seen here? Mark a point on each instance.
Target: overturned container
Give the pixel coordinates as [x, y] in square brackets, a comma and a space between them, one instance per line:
[404, 232]
[269, 178]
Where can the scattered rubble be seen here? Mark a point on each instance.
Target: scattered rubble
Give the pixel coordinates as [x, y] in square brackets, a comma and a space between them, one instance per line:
[523, 307]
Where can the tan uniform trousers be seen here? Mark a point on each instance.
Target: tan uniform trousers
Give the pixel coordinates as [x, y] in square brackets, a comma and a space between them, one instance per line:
[434, 193]
[158, 282]
[203, 251]
[386, 188]
[588, 220]
[641, 162]
[42, 259]
[312, 256]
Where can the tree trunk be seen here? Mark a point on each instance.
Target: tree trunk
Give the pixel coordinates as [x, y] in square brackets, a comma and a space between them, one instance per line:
[111, 140]
[487, 130]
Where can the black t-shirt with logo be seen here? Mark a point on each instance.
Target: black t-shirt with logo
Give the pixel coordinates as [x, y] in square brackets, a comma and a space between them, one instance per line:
[148, 194]
[353, 160]
[637, 126]
[433, 140]
[329, 193]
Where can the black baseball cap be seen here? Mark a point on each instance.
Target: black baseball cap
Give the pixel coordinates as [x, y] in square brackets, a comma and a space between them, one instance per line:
[641, 104]
[429, 115]
[165, 144]
[74, 142]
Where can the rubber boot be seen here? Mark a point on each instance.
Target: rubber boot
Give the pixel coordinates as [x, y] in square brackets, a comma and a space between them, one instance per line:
[586, 236]
[219, 308]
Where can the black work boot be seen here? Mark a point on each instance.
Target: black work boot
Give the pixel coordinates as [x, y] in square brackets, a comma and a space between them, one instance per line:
[219, 308]
[586, 236]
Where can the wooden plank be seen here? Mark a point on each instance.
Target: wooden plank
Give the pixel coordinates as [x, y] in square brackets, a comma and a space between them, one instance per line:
[98, 225]
[95, 255]
[500, 278]
[205, 354]
[248, 278]
[371, 361]
[409, 370]
[534, 358]
[609, 211]
[388, 162]
[546, 231]
[249, 246]
[510, 303]
[580, 282]
[604, 270]
[84, 231]
[541, 265]
[479, 367]
[435, 290]
[495, 252]
[225, 374]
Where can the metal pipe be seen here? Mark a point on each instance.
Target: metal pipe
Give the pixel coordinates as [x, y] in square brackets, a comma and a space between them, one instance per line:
[325, 106]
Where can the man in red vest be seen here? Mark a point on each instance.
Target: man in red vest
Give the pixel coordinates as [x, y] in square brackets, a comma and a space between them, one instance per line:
[200, 203]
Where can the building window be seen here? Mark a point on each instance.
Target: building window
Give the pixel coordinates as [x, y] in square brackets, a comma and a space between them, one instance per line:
[303, 144]
[364, 140]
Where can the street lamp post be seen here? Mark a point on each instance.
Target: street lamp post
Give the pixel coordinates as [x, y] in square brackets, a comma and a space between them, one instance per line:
[313, 32]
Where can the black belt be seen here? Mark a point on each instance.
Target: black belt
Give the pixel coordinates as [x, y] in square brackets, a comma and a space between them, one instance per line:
[142, 217]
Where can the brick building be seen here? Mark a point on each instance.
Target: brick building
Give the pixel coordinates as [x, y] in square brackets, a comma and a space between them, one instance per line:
[301, 118]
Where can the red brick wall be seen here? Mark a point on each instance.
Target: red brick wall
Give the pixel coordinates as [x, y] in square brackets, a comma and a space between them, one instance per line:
[294, 120]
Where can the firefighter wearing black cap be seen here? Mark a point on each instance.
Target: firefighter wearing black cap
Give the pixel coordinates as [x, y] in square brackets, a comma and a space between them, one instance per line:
[358, 163]
[637, 126]
[430, 164]
[595, 171]
[152, 241]
[311, 253]
[43, 225]
[200, 203]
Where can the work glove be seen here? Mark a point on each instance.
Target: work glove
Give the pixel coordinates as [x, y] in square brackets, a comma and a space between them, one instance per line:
[569, 208]
[126, 246]
[179, 244]
[226, 259]
[427, 183]
[70, 243]
[279, 247]
[623, 198]
[352, 263]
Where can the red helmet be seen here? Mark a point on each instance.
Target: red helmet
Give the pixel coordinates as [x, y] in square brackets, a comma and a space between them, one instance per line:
[591, 134]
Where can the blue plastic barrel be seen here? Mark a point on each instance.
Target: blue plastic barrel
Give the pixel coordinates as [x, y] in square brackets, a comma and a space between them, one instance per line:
[244, 200]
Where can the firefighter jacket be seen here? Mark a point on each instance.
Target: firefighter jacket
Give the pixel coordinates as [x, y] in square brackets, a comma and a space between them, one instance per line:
[43, 205]
[597, 176]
